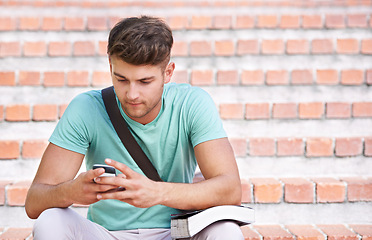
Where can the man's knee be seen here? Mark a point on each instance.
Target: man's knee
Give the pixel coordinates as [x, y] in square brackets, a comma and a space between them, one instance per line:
[221, 230]
[54, 222]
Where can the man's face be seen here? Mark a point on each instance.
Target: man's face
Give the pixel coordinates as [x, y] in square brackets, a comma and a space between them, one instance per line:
[139, 88]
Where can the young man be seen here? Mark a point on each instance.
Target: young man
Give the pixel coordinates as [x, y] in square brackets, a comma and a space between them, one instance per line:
[176, 125]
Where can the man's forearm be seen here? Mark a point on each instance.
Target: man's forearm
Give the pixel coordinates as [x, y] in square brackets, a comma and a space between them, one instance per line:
[220, 190]
[43, 196]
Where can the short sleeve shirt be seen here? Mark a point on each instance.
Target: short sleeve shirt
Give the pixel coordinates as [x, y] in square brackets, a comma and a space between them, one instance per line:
[188, 117]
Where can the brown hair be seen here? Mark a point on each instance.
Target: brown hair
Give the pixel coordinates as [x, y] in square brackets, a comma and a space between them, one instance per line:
[141, 41]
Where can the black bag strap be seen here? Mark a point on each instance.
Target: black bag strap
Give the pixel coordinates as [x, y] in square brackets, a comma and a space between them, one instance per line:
[126, 137]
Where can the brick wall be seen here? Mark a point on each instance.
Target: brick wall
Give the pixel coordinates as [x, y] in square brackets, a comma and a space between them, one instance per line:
[291, 80]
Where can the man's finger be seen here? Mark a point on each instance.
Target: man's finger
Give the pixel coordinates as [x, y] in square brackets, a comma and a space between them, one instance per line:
[127, 171]
[92, 174]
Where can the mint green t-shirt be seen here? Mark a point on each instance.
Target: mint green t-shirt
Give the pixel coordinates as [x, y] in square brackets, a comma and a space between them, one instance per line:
[187, 118]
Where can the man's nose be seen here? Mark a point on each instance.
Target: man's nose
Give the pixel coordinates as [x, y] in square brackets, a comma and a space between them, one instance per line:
[132, 92]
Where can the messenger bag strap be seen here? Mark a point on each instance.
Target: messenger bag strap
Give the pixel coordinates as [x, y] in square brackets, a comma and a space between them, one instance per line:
[126, 137]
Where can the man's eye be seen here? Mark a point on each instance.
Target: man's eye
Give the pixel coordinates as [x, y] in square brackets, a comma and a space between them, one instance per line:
[121, 79]
[145, 82]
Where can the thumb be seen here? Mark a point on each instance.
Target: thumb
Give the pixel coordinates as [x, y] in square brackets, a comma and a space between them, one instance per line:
[93, 173]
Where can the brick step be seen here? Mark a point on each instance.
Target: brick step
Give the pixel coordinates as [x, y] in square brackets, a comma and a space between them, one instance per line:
[317, 190]
[290, 20]
[236, 111]
[205, 77]
[258, 232]
[197, 48]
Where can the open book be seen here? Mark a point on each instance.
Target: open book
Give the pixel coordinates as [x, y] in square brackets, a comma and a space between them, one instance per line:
[185, 225]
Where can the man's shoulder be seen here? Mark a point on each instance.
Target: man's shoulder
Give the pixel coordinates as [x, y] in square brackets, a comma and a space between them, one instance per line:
[183, 90]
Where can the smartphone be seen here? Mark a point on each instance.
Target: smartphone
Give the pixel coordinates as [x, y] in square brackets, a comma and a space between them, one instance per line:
[109, 171]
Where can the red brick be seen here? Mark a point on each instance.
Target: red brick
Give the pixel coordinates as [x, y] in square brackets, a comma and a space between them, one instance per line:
[200, 48]
[358, 189]
[7, 24]
[267, 21]
[180, 76]
[101, 79]
[29, 78]
[17, 113]
[224, 48]
[321, 46]
[16, 233]
[178, 22]
[74, 24]
[78, 79]
[257, 111]
[369, 76]
[365, 230]
[97, 23]
[239, 146]
[329, 190]
[338, 110]
[44, 112]
[9, 149]
[273, 232]
[249, 234]
[7, 79]
[102, 48]
[246, 191]
[202, 77]
[347, 46]
[16, 193]
[222, 22]
[368, 147]
[302, 77]
[180, 49]
[29, 23]
[10, 49]
[232, 111]
[228, 77]
[347, 147]
[298, 190]
[267, 190]
[201, 22]
[319, 147]
[335, 21]
[254, 77]
[362, 109]
[51, 24]
[277, 77]
[357, 20]
[33, 148]
[34, 49]
[314, 110]
[54, 79]
[290, 21]
[247, 47]
[312, 21]
[290, 147]
[59, 49]
[275, 46]
[366, 46]
[261, 147]
[300, 46]
[305, 232]
[327, 77]
[84, 48]
[338, 232]
[244, 22]
[284, 110]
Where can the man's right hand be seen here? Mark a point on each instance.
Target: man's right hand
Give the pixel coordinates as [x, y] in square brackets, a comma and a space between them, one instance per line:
[83, 189]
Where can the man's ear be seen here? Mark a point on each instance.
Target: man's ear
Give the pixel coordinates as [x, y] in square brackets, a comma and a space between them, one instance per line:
[109, 59]
[168, 72]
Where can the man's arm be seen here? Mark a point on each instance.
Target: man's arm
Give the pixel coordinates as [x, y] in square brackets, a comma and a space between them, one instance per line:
[54, 184]
[221, 186]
